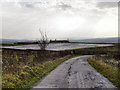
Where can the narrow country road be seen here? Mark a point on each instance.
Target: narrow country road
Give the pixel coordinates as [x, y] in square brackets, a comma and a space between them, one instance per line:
[75, 73]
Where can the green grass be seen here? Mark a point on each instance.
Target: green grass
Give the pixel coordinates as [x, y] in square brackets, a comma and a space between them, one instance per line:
[26, 76]
[107, 70]
[50, 65]
[102, 48]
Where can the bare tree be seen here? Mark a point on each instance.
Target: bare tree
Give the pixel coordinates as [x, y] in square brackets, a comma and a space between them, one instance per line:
[43, 42]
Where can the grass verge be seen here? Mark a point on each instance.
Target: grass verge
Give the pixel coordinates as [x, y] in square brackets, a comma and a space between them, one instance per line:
[50, 65]
[26, 76]
[107, 70]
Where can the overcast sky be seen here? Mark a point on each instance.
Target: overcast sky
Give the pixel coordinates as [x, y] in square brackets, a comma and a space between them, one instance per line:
[60, 19]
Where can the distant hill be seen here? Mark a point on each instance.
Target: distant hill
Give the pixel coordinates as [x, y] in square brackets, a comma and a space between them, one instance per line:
[11, 41]
[99, 40]
[96, 40]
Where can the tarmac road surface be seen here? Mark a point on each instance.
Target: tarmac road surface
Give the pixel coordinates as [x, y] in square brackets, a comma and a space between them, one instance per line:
[74, 73]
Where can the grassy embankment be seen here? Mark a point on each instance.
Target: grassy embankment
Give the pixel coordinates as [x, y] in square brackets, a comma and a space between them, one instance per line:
[22, 69]
[108, 65]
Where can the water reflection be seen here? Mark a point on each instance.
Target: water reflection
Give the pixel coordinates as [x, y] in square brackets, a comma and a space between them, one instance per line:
[57, 46]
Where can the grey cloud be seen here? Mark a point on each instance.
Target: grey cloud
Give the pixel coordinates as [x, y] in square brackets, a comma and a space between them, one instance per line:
[25, 4]
[63, 6]
[29, 5]
[107, 4]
